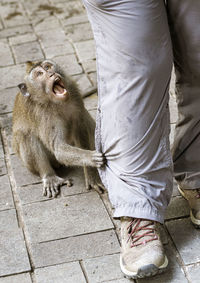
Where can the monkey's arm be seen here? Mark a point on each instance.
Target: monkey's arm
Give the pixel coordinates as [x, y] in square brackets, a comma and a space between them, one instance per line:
[74, 156]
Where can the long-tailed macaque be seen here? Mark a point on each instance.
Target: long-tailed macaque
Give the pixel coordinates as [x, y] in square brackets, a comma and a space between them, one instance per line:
[51, 126]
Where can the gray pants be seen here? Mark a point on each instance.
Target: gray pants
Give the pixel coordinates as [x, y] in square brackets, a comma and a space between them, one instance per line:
[134, 63]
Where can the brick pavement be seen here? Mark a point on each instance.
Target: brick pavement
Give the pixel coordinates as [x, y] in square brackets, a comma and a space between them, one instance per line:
[72, 238]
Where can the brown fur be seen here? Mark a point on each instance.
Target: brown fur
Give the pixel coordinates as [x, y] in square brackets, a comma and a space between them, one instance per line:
[49, 130]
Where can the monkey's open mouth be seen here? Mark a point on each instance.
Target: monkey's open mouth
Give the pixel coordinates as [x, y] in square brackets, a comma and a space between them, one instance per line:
[58, 88]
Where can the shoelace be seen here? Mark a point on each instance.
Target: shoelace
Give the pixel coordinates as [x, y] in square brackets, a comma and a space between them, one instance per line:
[134, 227]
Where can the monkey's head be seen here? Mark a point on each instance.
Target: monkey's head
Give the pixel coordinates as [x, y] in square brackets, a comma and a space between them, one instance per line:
[44, 81]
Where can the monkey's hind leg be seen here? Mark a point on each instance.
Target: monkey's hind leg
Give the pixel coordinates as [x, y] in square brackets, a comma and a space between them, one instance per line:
[92, 180]
[38, 160]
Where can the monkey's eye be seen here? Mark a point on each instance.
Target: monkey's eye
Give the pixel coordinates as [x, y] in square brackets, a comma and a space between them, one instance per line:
[39, 73]
[47, 67]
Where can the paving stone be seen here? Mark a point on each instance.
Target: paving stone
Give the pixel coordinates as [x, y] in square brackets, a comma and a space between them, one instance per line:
[6, 125]
[173, 274]
[15, 31]
[69, 64]
[186, 239]
[1, 26]
[5, 54]
[79, 32]
[33, 193]
[8, 220]
[171, 136]
[15, 72]
[6, 200]
[103, 269]
[7, 97]
[83, 82]
[58, 50]
[193, 273]
[63, 273]
[65, 217]
[173, 109]
[85, 50]
[13, 254]
[3, 169]
[13, 14]
[77, 19]
[75, 248]
[172, 83]
[89, 66]
[40, 23]
[93, 78]
[90, 102]
[19, 278]
[93, 113]
[178, 207]
[52, 37]
[22, 175]
[123, 280]
[35, 7]
[73, 8]
[19, 39]
[31, 52]
[175, 189]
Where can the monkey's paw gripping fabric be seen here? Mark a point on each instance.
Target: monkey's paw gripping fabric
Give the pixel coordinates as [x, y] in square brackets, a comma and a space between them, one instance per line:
[142, 253]
[193, 198]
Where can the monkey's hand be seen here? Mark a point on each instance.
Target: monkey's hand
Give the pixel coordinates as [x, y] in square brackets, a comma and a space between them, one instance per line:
[51, 185]
[93, 181]
[98, 159]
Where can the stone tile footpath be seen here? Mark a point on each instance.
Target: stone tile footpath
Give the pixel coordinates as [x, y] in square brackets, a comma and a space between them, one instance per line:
[72, 238]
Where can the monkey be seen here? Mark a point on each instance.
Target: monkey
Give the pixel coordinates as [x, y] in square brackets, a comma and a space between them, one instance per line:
[51, 127]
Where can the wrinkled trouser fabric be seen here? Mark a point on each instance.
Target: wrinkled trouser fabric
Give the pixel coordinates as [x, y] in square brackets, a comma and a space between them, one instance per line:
[134, 63]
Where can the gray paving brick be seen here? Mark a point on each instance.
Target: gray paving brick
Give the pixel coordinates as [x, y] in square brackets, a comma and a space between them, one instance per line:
[5, 54]
[103, 269]
[31, 193]
[42, 23]
[13, 14]
[11, 76]
[173, 109]
[77, 19]
[123, 280]
[52, 37]
[63, 273]
[93, 78]
[23, 38]
[6, 124]
[69, 64]
[89, 66]
[22, 175]
[193, 273]
[15, 31]
[79, 32]
[6, 200]
[90, 102]
[73, 8]
[173, 274]
[7, 97]
[8, 220]
[58, 50]
[19, 278]
[65, 217]
[83, 82]
[13, 254]
[178, 207]
[33, 7]
[186, 239]
[85, 50]
[75, 248]
[3, 169]
[31, 52]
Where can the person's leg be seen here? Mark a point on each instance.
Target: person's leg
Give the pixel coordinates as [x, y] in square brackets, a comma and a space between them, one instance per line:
[134, 60]
[184, 19]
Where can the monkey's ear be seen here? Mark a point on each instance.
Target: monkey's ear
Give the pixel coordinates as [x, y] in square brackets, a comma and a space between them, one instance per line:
[23, 89]
[29, 65]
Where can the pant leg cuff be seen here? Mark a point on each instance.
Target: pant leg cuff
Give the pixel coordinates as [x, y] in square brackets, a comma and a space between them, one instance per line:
[122, 211]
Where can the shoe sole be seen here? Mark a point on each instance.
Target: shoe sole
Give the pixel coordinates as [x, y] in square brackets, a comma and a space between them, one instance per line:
[144, 271]
[194, 220]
